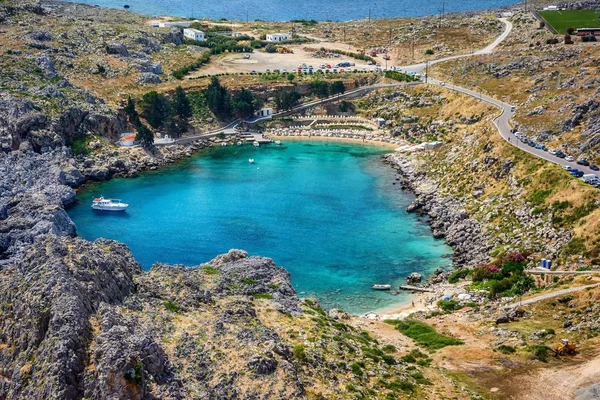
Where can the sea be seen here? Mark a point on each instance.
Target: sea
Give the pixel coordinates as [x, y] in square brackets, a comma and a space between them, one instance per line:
[285, 10]
[331, 213]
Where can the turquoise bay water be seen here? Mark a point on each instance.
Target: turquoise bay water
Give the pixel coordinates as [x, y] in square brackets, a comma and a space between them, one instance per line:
[327, 212]
[285, 10]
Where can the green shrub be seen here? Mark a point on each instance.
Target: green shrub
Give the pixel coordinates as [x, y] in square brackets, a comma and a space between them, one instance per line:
[171, 306]
[356, 369]
[210, 270]
[505, 349]
[456, 275]
[575, 247]
[389, 348]
[248, 281]
[449, 305]
[80, 147]
[266, 296]
[539, 352]
[299, 352]
[424, 334]
[539, 196]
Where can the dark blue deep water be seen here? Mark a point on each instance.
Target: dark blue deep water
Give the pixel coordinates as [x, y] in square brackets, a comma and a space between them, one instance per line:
[285, 10]
[328, 212]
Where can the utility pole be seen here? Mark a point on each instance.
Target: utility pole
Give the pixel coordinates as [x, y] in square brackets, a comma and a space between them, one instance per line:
[369, 15]
[426, 71]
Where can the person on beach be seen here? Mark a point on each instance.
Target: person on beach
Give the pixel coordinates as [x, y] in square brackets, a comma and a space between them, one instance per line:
[413, 303]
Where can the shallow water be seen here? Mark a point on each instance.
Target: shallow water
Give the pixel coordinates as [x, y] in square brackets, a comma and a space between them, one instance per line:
[285, 10]
[328, 212]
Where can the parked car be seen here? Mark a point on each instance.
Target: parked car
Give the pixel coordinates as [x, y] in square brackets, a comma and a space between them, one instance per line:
[512, 109]
[276, 71]
[583, 162]
[442, 83]
[569, 158]
[567, 167]
[267, 70]
[246, 56]
[560, 154]
[579, 174]
[553, 152]
[594, 167]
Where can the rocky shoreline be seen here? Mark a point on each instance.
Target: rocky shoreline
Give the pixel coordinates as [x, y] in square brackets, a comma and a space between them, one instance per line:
[448, 218]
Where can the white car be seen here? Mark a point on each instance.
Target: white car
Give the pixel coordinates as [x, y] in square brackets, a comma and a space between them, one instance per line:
[553, 152]
[442, 83]
[566, 167]
[569, 158]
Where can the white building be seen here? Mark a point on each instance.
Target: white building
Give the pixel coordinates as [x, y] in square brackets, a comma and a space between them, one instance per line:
[193, 34]
[264, 112]
[278, 37]
[172, 24]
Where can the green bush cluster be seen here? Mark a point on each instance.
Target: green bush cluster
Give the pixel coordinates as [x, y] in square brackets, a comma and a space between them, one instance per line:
[424, 334]
[183, 71]
[358, 56]
[399, 76]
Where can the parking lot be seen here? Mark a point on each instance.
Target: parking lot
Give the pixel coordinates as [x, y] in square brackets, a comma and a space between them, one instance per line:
[589, 173]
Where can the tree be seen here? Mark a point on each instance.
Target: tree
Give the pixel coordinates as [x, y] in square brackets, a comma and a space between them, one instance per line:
[290, 77]
[130, 109]
[570, 31]
[181, 105]
[271, 48]
[156, 107]
[143, 134]
[218, 99]
[246, 103]
[337, 87]
[568, 39]
[286, 99]
[320, 89]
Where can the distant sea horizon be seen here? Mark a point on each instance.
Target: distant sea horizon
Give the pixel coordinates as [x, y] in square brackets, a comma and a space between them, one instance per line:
[280, 10]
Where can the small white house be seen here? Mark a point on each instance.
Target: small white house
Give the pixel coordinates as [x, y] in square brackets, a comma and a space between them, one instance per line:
[551, 8]
[171, 24]
[264, 112]
[278, 37]
[193, 34]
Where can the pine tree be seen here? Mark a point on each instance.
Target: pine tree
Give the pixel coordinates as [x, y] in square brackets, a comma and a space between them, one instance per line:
[130, 109]
[218, 99]
[143, 134]
[245, 104]
[157, 108]
[180, 104]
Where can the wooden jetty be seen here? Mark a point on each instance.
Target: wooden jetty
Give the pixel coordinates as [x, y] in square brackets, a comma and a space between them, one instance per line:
[415, 288]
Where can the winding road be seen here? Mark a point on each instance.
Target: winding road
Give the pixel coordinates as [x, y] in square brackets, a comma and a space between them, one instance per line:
[502, 121]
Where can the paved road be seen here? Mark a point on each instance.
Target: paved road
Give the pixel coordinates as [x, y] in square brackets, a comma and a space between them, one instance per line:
[549, 296]
[502, 121]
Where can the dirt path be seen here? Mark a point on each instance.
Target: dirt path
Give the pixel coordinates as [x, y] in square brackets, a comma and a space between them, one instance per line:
[550, 295]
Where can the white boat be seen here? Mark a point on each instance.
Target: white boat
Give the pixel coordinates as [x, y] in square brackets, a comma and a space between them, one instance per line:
[278, 142]
[381, 287]
[102, 204]
[239, 143]
[251, 160]
[223, 144]
[255, 144]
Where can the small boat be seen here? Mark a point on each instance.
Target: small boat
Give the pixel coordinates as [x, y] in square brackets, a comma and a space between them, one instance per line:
[278, 142]
[239, 143]
[251, 160]
[381, 287]
[255, 144]
[102, 204]
[223, 144]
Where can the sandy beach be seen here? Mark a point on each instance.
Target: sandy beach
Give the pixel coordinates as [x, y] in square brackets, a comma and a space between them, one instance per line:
[317, 138]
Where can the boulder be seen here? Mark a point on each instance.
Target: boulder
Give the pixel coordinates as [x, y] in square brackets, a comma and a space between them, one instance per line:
[148, 78]
[262, 365]
[117, 48]
[414, 277]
